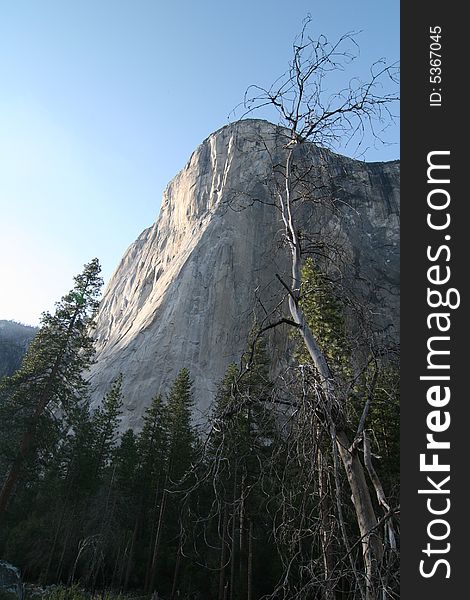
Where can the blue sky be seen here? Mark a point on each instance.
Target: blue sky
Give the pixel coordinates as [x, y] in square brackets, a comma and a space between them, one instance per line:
[102, 103]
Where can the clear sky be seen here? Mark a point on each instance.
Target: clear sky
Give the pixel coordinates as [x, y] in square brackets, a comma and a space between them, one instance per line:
[103, 101]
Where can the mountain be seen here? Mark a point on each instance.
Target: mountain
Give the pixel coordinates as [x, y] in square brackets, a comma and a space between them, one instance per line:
[14, 341]
[188, 291]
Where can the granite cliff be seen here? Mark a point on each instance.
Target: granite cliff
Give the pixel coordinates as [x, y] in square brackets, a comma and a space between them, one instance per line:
[14, 341]
[188, 290]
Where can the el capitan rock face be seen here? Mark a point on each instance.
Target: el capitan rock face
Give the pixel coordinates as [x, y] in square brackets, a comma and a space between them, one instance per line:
[189, 289]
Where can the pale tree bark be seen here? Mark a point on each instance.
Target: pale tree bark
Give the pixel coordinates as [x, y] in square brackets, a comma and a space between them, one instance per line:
[372, 546]
[156, 546]
[243, 557]
[234, 540]
[360, 494]
[310, 111]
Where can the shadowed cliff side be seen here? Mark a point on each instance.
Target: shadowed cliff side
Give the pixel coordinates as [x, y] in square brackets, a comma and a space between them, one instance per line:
[189, 290]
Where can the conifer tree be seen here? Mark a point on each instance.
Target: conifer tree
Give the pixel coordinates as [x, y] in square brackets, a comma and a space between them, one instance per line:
[70, 481]
[51, 376]
[126, 462]
[97, 526]
[239, 454]
[182, 441]
[365, 395]
[153, 443]
[182, 435]
[152, 449]
[128, 490]
[325, 315]
[106, 423]
[82, 478]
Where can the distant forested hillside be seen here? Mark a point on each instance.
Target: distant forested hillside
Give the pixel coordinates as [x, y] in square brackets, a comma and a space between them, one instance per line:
[14, 341]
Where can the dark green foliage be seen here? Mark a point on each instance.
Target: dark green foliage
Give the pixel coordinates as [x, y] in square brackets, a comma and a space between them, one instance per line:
[106, 423]
[153, 442]
[377, 381]
[381, 384]
[168, 565]
[54, 363]
[314, 497]
[181, 433]
[239, 463]
[50, 382]
[231, 516]
[325, 316]
[126, 461]
[108, 510]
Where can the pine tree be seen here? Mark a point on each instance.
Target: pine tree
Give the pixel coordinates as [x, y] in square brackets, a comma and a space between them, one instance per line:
[239, 456]
[126, 463]
[99, 514]
[182, 435]
[153, 444]
[106, 424]
[84, 502]
[70, 481]
[365, 401]
[128, 490]
[182, 442]
[325, 315]
[51, 376]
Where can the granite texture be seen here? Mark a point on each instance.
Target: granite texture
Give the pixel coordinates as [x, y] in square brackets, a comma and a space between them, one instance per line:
[188, 291]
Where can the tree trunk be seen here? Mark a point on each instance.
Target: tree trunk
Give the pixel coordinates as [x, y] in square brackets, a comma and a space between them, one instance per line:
[58, 575]
[223, 554]
[249, 594]
[54, 543]
[365, 515]
[242, 565]
[372, 548]
[364, 510]
[15, 469]
[156, 547]
[117, 570]
[28, 437]
[176, 573]
[327, 528]
[154, 524]
[233, 550]
[130, 560]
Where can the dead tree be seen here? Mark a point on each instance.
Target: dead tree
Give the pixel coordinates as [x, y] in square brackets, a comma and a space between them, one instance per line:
[309, 114]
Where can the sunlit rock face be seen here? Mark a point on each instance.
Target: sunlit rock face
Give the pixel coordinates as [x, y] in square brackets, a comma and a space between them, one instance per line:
[190, 289]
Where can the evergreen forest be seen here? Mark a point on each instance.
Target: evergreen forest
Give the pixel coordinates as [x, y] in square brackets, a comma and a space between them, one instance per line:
[252, 504]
